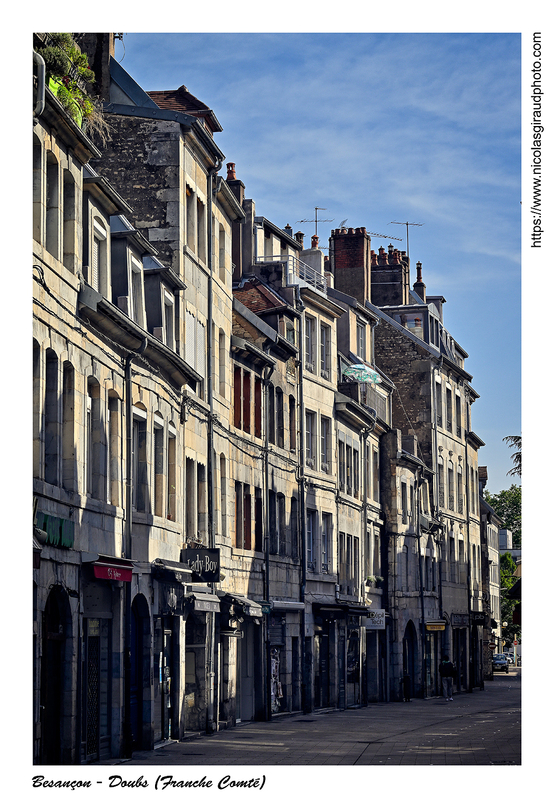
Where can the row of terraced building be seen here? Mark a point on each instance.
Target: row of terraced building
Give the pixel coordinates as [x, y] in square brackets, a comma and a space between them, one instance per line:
[228, 525]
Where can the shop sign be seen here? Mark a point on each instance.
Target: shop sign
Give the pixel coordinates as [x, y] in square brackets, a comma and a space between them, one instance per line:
[478, 618]
[437, 626]
[112, 572]
[375, 619]
[459, 619]
[59, 531]
[204, 564]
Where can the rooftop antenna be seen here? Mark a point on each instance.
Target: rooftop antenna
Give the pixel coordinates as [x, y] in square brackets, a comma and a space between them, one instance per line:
[408, 224]
[379, 235]
[316, 220]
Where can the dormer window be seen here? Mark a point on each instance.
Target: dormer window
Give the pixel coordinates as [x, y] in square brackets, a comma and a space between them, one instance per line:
[169, 318]
[137, 291]
[98, 255]
[361, 341]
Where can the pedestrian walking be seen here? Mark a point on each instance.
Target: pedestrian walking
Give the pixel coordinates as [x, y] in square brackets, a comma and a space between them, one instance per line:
[446, 670]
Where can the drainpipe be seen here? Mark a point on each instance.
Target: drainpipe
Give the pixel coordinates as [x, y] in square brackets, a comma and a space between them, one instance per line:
[421, 596]
[364, 434]
[127, 548]
[302, 503]
[211, 722]
[267, 590]
[41, 76]
[469, 488]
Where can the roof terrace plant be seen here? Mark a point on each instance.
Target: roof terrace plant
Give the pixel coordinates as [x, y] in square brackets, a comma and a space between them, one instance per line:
[70, 79]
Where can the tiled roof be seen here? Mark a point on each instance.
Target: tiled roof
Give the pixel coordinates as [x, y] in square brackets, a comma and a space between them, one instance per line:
[183, 101]
[257, 297]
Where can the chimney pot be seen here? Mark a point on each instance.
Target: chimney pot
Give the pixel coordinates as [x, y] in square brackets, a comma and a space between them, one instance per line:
[231, 174]
[315, 242]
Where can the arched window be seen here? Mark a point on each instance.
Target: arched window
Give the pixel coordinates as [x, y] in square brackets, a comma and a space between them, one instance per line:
[52, 205]
[51, 419]
[158, 464]
[69, 222]
[69, 477]
[141, 498]
[95, 443]
[221, 253]
[37, 393]
[37, 189]
[114, 456]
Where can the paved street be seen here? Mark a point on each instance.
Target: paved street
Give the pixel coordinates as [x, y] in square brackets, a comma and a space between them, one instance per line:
[478, 728]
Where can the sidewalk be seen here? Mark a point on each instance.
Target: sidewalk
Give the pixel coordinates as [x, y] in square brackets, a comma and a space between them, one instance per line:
[478, 728]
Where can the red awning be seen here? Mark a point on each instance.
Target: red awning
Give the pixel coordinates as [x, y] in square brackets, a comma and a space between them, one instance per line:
[105, 566]
[116, 572]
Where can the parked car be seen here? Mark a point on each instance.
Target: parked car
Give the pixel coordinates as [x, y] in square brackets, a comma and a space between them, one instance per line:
[500, 663]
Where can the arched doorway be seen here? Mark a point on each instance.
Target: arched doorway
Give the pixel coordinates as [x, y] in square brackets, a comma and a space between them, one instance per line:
[55, 677]
[409, 661]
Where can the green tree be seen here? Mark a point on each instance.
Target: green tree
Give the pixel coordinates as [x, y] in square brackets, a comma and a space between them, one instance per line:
[514, 442]
[508, 580]
[507, 506]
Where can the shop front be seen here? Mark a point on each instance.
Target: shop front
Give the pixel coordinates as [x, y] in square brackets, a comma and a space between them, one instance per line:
[459, 651]
[240, 629]
[433, 633]
[103, 580]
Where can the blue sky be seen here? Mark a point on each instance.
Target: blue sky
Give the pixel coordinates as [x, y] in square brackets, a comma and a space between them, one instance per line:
[375, 128]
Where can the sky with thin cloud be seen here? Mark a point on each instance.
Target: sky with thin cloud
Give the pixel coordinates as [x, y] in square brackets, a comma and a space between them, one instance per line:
[377, 128]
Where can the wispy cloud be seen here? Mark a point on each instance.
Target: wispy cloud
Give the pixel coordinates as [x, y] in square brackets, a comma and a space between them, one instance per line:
[376, 128]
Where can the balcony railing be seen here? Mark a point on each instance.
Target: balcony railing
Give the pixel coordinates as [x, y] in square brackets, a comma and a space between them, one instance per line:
[297, 271]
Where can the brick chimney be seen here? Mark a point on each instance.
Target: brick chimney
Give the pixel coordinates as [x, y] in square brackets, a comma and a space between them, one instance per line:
[237, 229]
[350, 253]
[390, 276]
[419, 285]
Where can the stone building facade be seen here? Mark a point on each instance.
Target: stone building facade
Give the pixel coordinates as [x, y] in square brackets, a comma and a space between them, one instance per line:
[228, 525]
[433, 406]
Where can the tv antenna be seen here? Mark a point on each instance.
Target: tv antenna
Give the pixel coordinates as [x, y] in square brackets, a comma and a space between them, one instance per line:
[408, 224]
[316, 220]
[379, 235]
